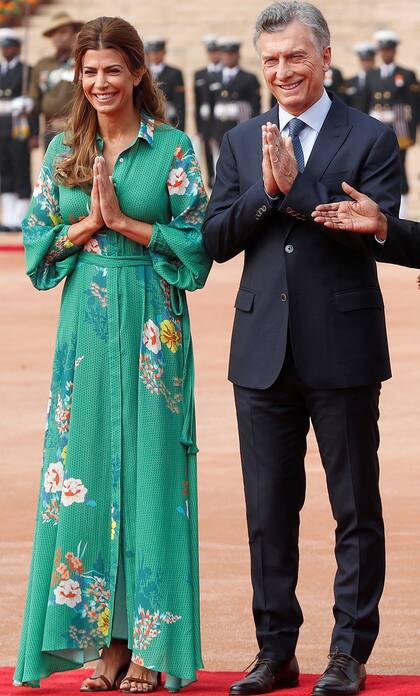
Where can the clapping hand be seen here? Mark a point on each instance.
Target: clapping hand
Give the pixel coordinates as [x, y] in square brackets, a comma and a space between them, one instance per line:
[279, 163]
[361, 215]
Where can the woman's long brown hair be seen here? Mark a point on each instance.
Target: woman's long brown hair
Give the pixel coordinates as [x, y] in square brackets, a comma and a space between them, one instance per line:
[75, 169]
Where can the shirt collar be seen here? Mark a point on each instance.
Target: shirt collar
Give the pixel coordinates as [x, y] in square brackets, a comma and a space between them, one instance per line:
[387, 68]
[146, 132]
[9, 65]
[313, 117]
[231, 72]
[215, 67]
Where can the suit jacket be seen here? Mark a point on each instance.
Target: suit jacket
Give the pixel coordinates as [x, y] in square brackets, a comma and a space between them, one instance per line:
[319, 285]
[402, 245]
[244, 91]
[172, 84]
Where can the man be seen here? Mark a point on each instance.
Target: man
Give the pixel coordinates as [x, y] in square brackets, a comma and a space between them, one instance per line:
[392, 97]
[356, 86]
[52, 87]
[206, 80]
[15, 129]
[237, 98]
[309, 342]
[399, 239]
[170, 80]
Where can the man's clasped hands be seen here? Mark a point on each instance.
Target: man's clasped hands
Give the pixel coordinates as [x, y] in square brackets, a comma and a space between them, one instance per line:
[279, 163]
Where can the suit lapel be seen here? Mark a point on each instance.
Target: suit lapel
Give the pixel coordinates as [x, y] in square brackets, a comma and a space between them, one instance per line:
[332, 135]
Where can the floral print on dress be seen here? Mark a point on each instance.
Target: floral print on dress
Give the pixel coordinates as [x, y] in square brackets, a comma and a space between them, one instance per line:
[150, 619]
[60, 489]
[96, 305]
[87, 592]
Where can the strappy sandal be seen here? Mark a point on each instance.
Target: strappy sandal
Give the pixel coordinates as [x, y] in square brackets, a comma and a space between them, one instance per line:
[107, 684]
[137, 680]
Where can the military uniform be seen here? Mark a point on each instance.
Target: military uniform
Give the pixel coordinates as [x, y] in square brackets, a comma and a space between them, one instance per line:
[204, 80]
[52, 90]
[356, 95]
[392, 97]
[236, 98]
[51, 86]
[334, 82]
[15, 130]
[170, 81]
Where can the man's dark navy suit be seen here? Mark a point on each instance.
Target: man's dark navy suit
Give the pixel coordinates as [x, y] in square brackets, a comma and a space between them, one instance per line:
[309, 344]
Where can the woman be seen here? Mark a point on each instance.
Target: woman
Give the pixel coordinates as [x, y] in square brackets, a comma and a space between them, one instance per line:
[115, 562]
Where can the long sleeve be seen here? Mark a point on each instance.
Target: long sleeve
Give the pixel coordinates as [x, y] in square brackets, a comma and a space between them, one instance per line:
[402, 245]
[233, 220]
[177, 248]
[49, 253]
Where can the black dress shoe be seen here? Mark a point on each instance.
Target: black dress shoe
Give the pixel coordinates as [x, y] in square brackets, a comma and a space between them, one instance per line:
[266, 676]
[344, 676]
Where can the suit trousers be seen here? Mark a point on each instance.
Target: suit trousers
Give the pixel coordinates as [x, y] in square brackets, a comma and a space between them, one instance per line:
[273, 425]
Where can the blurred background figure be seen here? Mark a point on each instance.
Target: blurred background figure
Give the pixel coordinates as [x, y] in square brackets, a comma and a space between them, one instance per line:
[15, 131]
[170, 81]
[238, 97]
[206, 81]
[356, 86]
[334, 82]
[392, 97]
[51, 85]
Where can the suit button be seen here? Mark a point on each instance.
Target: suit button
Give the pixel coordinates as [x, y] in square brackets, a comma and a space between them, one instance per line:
[283, 297]
[289, 248]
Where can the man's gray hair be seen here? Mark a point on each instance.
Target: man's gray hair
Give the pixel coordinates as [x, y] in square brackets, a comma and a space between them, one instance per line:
[277, 16]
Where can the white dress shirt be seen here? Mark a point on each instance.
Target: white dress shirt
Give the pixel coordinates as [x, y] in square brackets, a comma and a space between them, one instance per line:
[229, 73]
[387, 69]
[314, 118]
[156, 69]
[9, 65]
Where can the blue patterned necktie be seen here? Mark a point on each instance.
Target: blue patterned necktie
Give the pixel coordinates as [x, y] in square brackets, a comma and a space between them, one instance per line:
[295, 127]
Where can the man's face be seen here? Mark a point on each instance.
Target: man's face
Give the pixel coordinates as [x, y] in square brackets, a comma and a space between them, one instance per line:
[367, 63]
[155, 57]
[388, 54]
[294, 66]
[230, 58]
[10, 52]
[63, 39]
[214, 56]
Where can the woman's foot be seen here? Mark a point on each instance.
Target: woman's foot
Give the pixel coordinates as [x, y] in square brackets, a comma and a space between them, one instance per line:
[113, 660]
[138, 680]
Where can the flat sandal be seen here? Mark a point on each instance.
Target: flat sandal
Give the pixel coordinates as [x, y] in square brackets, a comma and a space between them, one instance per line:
[136, 680]
[108, 686]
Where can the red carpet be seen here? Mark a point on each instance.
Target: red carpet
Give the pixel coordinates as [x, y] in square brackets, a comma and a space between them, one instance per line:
[209, 683]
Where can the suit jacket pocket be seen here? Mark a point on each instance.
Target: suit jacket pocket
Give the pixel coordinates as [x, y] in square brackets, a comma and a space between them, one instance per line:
[360, 298]
[244, 300]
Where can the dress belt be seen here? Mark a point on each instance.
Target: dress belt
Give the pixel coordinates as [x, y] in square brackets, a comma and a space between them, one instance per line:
[113, 261]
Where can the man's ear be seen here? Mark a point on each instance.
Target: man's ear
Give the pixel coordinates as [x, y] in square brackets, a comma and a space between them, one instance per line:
[326, 55]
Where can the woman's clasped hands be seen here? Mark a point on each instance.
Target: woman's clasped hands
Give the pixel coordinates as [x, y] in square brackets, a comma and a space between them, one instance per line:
[105, 209]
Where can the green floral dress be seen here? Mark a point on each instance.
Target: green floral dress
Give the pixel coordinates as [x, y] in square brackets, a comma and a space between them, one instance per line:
[115, 551]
